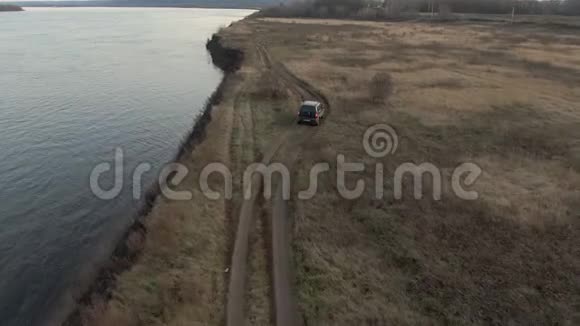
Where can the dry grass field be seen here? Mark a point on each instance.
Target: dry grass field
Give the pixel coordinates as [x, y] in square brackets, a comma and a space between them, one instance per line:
[506, 97]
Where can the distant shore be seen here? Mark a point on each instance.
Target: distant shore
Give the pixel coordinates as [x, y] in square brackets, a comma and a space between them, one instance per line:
[10, 8]
[212, 4]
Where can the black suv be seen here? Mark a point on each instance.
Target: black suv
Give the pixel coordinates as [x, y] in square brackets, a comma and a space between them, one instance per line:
[311, 112]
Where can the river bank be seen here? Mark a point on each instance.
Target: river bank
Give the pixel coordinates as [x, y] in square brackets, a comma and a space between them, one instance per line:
[92, 306]
[182, 271]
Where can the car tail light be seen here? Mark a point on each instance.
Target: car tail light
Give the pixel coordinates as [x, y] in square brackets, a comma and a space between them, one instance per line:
[316, 115]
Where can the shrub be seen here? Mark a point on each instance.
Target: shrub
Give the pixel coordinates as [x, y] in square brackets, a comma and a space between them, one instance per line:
[381, 87]
[317, 8]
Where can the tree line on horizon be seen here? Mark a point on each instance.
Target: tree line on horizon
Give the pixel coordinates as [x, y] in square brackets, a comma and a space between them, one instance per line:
[9, 7]
[394, 8]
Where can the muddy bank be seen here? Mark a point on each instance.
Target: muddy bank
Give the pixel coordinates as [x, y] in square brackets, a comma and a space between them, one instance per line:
[132, 241]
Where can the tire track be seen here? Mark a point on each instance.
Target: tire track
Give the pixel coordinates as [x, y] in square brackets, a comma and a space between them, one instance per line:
[285, 305]
[299, 86]
[236, 303]
[285, 147]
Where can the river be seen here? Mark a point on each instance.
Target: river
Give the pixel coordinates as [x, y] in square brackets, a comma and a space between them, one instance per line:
[75, 84]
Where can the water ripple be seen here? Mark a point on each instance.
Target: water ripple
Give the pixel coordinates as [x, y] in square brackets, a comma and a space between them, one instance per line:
[79, 83]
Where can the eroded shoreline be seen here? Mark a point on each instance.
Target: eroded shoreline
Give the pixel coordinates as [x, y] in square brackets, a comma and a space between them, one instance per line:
[131, 243]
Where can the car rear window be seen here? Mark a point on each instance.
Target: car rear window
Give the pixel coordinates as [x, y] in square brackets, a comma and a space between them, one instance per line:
[307, 109]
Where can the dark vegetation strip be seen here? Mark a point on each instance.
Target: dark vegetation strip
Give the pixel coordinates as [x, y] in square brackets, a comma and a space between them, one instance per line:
[7, 7]
[411, 9]
[132, 242]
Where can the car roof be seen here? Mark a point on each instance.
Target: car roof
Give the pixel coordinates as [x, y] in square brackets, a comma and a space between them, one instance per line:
[311, 103]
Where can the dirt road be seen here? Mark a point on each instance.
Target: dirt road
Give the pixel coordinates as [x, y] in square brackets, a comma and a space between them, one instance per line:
[289, 143]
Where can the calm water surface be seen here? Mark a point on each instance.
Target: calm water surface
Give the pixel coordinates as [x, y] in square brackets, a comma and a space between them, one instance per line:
[74, 85]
